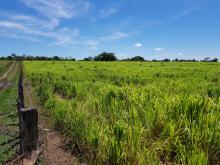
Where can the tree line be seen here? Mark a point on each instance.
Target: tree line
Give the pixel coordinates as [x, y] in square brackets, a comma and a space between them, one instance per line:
[105, 56]
[39, 58]
[112, 57]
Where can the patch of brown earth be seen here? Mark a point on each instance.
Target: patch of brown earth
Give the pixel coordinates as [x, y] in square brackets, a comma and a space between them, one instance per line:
[4, 79]
[7, 73]
[4, 85]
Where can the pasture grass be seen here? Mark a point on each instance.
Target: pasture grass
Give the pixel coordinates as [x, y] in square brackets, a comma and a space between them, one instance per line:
[133, 112]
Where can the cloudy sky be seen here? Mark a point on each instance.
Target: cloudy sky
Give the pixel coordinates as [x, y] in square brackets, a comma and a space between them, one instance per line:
[154, 29]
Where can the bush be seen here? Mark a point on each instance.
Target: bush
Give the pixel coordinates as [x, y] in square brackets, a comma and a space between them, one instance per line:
[105, 57]
[137, 58]
[214, 60]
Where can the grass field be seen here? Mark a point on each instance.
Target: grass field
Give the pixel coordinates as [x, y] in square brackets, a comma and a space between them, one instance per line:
[8, 112]
[133, 113]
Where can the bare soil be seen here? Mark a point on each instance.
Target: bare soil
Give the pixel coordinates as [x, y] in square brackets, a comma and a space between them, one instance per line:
[4, 79]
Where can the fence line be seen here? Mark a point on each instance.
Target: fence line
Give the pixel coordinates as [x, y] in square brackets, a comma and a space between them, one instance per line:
[28, 121]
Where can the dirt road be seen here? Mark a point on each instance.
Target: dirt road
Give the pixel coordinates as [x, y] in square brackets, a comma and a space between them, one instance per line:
[4, 79]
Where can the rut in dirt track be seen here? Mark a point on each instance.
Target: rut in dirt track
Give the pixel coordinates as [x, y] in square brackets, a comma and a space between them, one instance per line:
[4, 82]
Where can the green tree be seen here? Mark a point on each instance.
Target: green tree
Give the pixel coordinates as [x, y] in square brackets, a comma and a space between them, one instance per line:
[105, 57]
[137, 58]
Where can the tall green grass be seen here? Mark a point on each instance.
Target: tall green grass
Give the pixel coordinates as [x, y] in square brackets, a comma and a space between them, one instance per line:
[133, 113]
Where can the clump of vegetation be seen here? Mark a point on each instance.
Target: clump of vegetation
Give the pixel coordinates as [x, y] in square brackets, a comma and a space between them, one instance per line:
[133, 113]
[105, 57]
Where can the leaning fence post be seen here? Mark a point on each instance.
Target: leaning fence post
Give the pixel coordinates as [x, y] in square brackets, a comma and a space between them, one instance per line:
[29, 129]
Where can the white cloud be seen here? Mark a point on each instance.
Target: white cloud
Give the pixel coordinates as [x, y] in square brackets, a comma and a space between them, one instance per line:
[138, 45]
[92, 43]
[11, 25]
[17, 36]
[115, 36]
[58, 8]
[159, 49]
[44, 28]
[118, 35]
[108, 12]
[34, 21]
[185, 13]
[64, 36]
[33, 31]
[47, 27]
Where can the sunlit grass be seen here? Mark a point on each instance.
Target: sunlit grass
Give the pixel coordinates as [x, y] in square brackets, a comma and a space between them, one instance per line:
[134, 113]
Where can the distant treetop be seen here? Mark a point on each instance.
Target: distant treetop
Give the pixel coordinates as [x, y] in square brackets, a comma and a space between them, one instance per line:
[137, 58]
[105, 57]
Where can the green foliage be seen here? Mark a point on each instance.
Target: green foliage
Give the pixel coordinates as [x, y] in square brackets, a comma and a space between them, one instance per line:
[105, 57]
[137, 58]
[134, 113]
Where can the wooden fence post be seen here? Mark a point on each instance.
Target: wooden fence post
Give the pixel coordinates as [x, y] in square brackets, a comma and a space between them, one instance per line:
[20, 92]
[28, 121]
[29, 129]
[19, 116]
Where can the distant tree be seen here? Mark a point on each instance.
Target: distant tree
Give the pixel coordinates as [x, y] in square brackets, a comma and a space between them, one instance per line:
[137, 58]
[40, 58]
[88, 58]
[166, 60]
[9, 58]
[207, 59]
[13, 55]
[176, 59]
[2, 58]
[214, 60]
[56, 58]
[154, 60]
[105, 57]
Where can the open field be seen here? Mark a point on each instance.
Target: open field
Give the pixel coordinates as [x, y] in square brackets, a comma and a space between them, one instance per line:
[133, 113]
[8, 111]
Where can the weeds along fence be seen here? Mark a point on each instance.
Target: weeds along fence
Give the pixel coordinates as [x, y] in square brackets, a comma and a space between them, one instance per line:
[28, 121]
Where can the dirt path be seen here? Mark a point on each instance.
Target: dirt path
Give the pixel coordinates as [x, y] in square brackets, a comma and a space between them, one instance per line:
[5, 75]
[4, 79]
[50, 142]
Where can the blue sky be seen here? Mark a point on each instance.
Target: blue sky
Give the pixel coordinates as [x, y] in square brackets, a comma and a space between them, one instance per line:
[154, 29]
